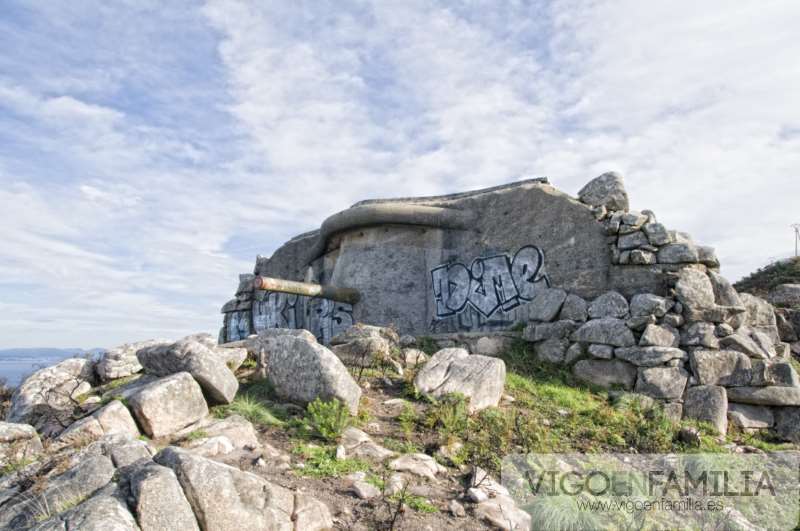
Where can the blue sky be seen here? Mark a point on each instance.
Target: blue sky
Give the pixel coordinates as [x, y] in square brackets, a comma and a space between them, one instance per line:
[149, 150]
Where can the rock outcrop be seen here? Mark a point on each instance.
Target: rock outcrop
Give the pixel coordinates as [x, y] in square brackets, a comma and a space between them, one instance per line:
[48, 397]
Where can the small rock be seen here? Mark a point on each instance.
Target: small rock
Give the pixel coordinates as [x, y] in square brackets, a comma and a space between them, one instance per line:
[723, 330]
[605, 352]
[606, 331]
[476, 495]
[364, 490]
[678, 253]
[689, 435]
[413, 357]
[456, 509]
[574, 309]
[694, 289]
[649, 356]
[551, 350]
[700, 334]
[418, 464]
[18, 442]
[749, 417]
[610, 304]
[659, 336]
[491, 346]
[648, 304]
[657, 234]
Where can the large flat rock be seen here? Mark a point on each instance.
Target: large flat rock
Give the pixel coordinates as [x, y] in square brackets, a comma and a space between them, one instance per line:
[453, 370]
[766, 396]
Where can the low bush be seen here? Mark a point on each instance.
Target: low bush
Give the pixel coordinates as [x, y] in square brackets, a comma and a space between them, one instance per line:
[328, 419]
[449, 416]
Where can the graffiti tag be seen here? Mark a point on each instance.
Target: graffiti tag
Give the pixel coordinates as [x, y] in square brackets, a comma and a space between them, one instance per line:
[489, 284]
[324, 318]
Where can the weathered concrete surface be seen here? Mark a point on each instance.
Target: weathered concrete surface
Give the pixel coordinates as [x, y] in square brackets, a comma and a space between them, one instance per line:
[463, 262]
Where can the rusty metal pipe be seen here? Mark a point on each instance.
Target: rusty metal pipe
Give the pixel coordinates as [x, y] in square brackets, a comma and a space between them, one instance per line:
[308, 289]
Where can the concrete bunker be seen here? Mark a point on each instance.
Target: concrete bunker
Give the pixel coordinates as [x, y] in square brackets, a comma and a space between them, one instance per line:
[465, 262]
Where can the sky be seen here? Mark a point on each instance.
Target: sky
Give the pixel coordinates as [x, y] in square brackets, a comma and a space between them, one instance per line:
[150, 150]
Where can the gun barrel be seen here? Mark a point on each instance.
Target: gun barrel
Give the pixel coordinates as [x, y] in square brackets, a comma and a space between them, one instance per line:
[308, 289]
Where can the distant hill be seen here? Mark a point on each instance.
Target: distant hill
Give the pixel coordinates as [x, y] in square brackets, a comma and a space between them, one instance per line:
[764, 279]
[16, 363]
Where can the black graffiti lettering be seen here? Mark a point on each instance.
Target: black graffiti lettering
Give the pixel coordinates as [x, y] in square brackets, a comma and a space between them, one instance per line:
[491, 283]
[526, 269]
[238, 325]
[322, 317]
[450, 288]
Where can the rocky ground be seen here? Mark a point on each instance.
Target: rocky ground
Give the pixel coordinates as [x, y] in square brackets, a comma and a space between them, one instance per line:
[192, 435]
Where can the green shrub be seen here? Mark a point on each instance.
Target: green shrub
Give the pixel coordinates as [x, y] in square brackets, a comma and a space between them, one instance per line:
[328, 419]
[449, 416]
[408, 420]
[490, 436]
[427, 345]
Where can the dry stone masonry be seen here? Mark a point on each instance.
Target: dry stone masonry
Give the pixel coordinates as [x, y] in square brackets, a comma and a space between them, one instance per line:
[606, 290]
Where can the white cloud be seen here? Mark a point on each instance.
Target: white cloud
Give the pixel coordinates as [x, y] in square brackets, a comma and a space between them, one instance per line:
[152, 151]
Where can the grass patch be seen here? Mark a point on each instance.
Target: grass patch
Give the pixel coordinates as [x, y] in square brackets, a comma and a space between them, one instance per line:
[402, 447]
[249, 363]
[119, 382]
[763, 440]
[250, 408]
[255, 402]
[196, 435]
[15, 465]
[320, 462]
[554, 413]
[110, 398]
[417, 503]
